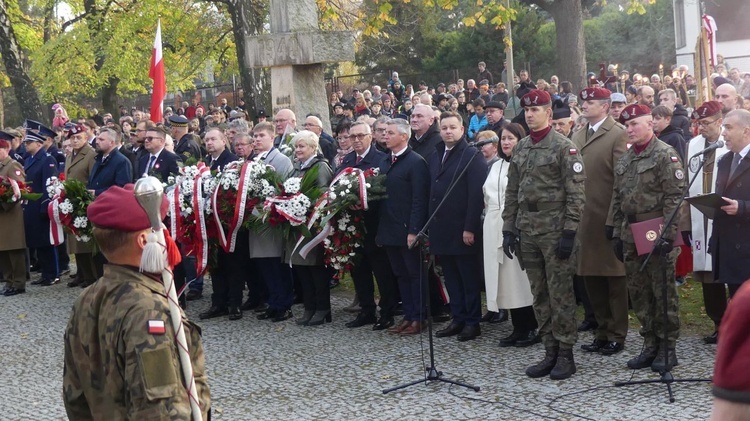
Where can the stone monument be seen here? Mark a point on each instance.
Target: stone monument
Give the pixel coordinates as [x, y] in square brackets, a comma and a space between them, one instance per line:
[295, 51]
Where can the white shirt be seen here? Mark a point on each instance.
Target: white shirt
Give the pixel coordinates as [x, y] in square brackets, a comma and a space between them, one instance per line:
[401, 152]
[597, 125]
[744, 151]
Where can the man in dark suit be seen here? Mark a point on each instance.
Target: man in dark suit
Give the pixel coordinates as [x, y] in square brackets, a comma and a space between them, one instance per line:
[373, 259]
[158, 162]
[425, 131]
[455, 230]
[218, 154]
[111, 167]
[402, 215]
[185, 145]
[39, 167]
[730, 241]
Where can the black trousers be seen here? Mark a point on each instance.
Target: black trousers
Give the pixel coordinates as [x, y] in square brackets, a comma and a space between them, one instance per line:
[374, 260]
[462, 279]
[277, 276]
[227, 279]
[523, 319]
[411, 275]
[47, 259]
[579, 288]
[316, 290]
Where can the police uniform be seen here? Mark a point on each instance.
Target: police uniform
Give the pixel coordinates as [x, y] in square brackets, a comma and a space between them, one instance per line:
[121, 357]
[186, 147]
[648, 184]
[543, 205]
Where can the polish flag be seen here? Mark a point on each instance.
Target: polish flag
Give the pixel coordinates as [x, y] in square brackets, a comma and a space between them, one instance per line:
[157, 74]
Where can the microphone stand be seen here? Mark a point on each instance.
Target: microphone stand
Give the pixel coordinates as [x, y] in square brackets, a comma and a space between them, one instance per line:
[666, 376]
[432, 372]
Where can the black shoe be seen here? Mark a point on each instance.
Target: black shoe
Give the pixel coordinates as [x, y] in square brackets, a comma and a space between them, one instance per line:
[320, 317]
[595, 346]
[302, 321]
[9, 292]
[362, 320]
[528, 339]
[383, 323]
[611, 348]
[298, 299]
[49, 282]
[284, 315]
[267, 314]
[511, 339]
[85, 284]
[213, 311]
[262, 308]
[712, 339]
[65, 271]
[453, 329]
[565, 366]
[75, 283]
[37, 282]
[544, 367]
[441, 317]
[193, 295]
[333, 283]
[659, 366]
[494, 316]
[469, 333]
[249, 305]
[399, 310]
[235, 313]
[587, 325]
[645, 359]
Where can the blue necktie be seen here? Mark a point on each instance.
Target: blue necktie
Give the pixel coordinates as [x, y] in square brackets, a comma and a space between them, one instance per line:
[150, 164]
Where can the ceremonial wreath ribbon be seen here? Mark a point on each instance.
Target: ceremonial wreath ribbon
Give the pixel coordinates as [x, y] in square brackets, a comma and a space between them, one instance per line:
[56, 233]
[201, 243]
[239, 211]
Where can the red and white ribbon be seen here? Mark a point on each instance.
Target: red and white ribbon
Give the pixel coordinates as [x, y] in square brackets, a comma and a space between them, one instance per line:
[16, 189]
[201, 243]
[272, 201]
[56, 233]
[174, 209]
[239, 210]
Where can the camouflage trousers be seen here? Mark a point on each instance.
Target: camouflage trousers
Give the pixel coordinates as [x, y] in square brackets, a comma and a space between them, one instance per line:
[552, 286]
[645, 289]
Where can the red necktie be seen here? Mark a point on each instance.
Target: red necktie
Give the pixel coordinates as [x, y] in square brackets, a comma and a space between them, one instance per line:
[393, 159]
[358, 160]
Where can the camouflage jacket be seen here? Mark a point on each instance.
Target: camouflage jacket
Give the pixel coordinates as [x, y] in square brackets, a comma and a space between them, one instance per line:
[121, 360]
[545, 186]
[647, 185]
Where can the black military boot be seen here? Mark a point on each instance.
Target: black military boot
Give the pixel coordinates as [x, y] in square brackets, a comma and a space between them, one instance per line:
[545, 366]
[565, 366]
[658, 364]
[644, 359]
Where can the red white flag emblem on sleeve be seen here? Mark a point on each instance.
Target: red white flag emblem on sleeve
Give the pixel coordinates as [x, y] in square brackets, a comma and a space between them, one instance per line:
[156, 327]
[156, 72]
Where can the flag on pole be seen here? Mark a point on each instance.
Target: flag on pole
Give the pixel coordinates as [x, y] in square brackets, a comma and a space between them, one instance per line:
[156, 72]
[709, 24]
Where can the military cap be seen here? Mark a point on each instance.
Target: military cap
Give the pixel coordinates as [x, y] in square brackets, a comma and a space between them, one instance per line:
[634, 111]
[495, 104]
[75, 129]
[595, 93]
[560, 110]
[618, 97]
[40, 129]
[707, 109]
[107, 210]
[5, 135]
[262, 113]
[176, 120]
[536, 97]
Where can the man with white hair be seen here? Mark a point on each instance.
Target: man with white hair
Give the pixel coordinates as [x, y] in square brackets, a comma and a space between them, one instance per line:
[286, 124]
[425, 133]
[326, 142]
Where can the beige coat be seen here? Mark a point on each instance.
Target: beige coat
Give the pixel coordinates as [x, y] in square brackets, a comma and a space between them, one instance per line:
[79, 168]
[12, 234]
[599, 153]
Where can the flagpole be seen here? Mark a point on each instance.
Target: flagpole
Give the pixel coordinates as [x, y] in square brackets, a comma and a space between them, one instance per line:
[156, 73]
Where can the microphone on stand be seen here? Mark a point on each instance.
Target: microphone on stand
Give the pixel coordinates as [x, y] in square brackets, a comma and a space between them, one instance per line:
[718, 144]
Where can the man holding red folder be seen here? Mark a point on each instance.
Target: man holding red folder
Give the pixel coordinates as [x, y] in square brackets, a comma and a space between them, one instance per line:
[649, 180]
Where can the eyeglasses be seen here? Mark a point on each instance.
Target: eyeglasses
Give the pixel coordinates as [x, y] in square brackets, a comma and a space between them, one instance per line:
[380, 130]
[704, 123]
[152, 138]
[358, 136]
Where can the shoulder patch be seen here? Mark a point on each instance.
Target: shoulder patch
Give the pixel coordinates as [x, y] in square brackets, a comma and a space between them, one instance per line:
[156, 327]
[675, 159]
[678, 174]
[573, 151]
[577, 167]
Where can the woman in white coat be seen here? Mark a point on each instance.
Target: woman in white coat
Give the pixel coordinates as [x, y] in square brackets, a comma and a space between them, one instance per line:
[506, 283]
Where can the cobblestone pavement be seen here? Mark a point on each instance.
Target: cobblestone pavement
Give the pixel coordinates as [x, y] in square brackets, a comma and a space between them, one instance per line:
[267, 371]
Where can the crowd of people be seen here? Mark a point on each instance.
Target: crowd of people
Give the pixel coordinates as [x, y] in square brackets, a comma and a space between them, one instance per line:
[532, 195]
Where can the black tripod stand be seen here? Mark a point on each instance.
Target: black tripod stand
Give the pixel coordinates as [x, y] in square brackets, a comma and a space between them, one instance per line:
[666, 376]
[432, 372]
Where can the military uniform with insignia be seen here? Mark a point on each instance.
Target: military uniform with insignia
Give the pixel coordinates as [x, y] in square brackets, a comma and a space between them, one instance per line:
[13, 241]
[543, 206]
[185, 147]
[649, 180]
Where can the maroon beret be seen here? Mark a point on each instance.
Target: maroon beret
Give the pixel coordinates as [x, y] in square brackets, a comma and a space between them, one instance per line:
[118, 209]
[595, 93]
[536, 97]
[731, 381]
[75, 129]
[4, 144]
[633, 111]
[707, 109]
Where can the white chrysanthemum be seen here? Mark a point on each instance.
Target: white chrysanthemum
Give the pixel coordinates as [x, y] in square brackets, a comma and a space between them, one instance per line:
[80, 222]
[85, 238]
[66, 207]
[292, 185]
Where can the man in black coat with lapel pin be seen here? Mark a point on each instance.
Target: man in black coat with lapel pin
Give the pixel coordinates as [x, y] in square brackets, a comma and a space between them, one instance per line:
[158, 162]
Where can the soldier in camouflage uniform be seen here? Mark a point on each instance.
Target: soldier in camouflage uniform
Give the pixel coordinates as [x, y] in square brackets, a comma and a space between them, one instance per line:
[648, 183]
[121, 359]
[543, 206]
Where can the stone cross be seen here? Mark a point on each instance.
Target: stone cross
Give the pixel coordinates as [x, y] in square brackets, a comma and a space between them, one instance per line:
[295, 51]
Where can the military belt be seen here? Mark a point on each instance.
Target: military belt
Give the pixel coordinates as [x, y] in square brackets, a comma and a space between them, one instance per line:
[540, 206]
[640, 217]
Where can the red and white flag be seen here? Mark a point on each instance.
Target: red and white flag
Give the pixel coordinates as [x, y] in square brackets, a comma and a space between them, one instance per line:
[156, 72]
[709, 24]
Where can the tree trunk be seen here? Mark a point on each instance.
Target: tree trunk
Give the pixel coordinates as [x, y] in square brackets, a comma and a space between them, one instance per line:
[109, 96]
[571, 60]
[247, 19]
[26, 94]
[2, 108]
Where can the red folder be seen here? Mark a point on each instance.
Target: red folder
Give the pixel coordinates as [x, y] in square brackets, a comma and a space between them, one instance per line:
[646, 232]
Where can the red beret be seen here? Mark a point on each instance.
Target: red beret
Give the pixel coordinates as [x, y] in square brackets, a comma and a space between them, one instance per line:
[118, 209]
[595, 93]
[75, 129]
[731, 381]
[4, 144]
[536, 97]
[633, 111]
[707, 109]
